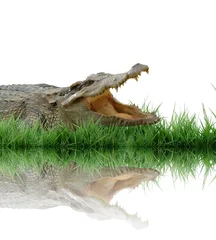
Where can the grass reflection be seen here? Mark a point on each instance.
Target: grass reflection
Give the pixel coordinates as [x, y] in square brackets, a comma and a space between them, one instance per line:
[182, 164]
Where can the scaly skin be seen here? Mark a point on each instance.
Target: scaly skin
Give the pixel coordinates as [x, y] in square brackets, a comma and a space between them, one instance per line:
[82, 190]
[85, 100]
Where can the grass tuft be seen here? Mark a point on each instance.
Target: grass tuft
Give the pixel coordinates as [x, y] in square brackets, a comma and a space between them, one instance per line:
[182, 132]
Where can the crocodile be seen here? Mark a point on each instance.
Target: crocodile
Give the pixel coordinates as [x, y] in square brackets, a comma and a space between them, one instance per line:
[80, 103]
[72, 186]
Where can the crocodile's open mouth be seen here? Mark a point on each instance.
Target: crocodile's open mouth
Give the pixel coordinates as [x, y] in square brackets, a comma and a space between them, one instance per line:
[106, 104]
[95, 93]
[105, 188]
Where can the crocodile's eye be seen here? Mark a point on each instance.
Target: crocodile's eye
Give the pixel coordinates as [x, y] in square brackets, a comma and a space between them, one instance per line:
[77, 86]
[89, 83]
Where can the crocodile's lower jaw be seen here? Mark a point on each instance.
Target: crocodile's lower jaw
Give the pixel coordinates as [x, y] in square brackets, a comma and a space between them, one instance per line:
[106, 105]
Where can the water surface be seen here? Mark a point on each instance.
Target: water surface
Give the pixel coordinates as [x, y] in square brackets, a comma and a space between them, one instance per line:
[180, 198]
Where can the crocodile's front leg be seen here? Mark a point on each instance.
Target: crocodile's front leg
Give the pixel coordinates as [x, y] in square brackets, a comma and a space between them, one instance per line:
[39, 110]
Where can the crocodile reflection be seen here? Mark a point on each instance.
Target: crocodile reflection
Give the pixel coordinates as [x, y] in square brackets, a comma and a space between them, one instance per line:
[82, 190]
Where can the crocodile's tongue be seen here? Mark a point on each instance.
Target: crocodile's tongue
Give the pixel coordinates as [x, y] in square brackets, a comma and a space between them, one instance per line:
[106, 104]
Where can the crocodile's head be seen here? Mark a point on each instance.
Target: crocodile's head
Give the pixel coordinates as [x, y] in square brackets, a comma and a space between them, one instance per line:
[92, 99]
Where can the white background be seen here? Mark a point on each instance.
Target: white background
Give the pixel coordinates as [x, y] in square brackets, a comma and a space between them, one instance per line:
[61, 42]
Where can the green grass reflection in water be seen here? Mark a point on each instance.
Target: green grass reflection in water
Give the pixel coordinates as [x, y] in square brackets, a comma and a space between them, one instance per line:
[78, 171]
[181, 163]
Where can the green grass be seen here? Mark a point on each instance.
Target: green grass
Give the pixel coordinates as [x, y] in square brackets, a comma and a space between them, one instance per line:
[184, 131]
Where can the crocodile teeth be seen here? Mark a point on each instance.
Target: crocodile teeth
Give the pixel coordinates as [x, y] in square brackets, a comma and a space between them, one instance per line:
[116, 88]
